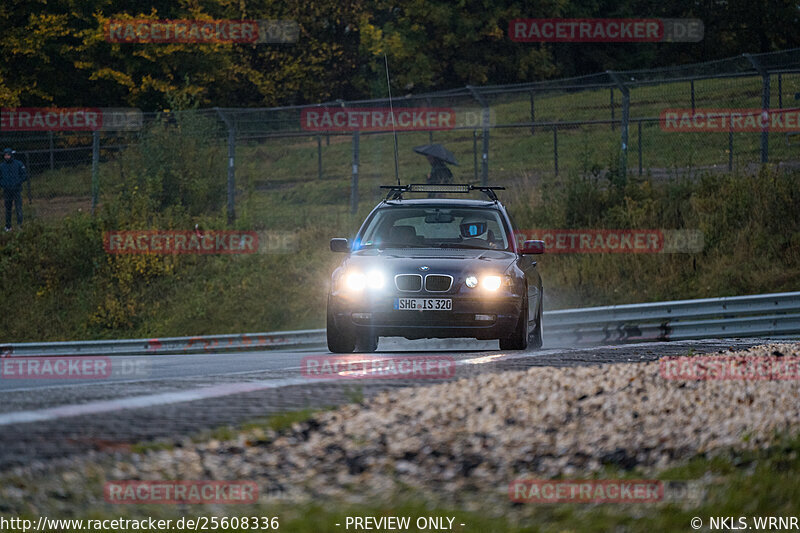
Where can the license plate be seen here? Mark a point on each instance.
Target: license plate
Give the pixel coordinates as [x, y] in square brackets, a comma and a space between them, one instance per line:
[423, 304]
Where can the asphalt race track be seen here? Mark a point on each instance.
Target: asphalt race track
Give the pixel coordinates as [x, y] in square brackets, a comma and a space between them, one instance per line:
[171, 397]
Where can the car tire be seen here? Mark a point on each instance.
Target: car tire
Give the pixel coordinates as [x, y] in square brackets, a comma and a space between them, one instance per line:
[338, 341]
[535, 338]
[519, 338]
[367, 343]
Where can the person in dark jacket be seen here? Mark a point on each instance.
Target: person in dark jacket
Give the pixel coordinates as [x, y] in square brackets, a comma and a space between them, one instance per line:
[12, 174]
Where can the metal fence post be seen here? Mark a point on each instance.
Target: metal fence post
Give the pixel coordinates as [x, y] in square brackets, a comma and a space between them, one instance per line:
[555, 148]
[485, 119]
[764, 104]
[533, 114]
[485, 158]
[231, 175]
[730, 148]
[626, 105]
[28, 181]
[639, 123]
[475, 152]
[430, 132]
[231, 165]
[95, 169]
[354, 184]
[611, 92]
[50, 138]
[319, 157]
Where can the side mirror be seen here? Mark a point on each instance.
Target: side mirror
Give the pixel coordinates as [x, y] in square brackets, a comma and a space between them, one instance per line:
[533, 247]
[340, 245]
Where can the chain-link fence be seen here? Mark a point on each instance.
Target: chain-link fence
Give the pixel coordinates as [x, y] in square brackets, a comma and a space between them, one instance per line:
[277, 162]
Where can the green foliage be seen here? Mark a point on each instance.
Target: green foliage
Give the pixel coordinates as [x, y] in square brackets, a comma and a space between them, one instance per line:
[173, 172]
[750, 225]
[440, 44]
[65, 40]
[434, 44]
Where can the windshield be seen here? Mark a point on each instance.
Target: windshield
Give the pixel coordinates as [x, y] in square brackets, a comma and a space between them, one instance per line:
[431, 227]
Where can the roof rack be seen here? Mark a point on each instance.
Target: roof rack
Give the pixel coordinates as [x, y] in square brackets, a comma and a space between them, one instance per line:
[396, 191]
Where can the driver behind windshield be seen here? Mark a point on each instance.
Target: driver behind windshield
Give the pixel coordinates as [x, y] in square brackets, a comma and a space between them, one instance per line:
[475, 232]
[419, 228]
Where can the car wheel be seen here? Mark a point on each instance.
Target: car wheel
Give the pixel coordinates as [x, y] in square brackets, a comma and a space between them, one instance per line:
[338, 341]
[519, 339]
[367, 343]
[535, 337]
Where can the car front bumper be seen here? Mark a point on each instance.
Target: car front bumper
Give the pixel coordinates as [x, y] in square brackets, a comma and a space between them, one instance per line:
[481, 318]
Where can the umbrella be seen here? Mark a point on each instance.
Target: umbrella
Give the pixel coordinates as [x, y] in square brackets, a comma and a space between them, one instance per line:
[438, 151]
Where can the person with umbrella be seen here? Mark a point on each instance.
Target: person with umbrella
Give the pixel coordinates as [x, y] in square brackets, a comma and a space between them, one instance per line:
[438, 156]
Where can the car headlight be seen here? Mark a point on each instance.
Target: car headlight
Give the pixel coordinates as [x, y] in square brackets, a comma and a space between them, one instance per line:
[491, 283]
[471, 282]
[375, 279]
[355, 281]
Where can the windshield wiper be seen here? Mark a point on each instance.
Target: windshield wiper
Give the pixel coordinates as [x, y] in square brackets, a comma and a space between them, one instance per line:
[464, 246]
[394, 245]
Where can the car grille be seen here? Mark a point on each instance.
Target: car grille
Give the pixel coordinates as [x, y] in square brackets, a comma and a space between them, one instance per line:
[408, 282]
[438, 283]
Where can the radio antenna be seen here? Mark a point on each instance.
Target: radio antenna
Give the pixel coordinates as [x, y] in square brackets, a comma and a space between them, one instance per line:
[391, 110]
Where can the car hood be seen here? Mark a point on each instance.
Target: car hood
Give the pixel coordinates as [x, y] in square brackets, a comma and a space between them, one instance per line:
[453, 261]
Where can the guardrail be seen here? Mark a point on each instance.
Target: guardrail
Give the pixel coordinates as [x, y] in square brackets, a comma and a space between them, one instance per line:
[761, 315]
[240, 341]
